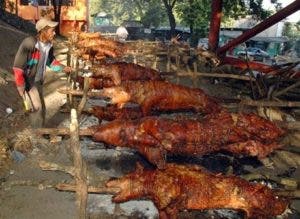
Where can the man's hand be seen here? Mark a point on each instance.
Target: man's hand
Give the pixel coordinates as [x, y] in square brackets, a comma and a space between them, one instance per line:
[67, 69]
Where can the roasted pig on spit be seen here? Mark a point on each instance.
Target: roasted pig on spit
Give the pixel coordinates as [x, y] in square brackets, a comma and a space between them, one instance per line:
[98, 51]
[161, 95]
[179, 187]
[122, 71]
[94, 46]
[96, 83]
[108, 75]
[84, 35]
[100, 41]
[110, 113]
[154, 137]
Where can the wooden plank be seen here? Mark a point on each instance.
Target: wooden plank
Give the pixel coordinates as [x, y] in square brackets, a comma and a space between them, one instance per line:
[84, 98]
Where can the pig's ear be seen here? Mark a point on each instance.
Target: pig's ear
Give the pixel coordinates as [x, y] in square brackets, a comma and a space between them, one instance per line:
[139, 167]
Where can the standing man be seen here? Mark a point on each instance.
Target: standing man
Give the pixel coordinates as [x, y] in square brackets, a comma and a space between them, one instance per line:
[34, 54]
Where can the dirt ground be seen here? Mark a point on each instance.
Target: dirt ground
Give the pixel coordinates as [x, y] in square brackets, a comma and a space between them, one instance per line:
[26, 190]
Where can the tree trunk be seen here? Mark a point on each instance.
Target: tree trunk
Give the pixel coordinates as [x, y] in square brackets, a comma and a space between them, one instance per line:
[191, 23]
[169, 8]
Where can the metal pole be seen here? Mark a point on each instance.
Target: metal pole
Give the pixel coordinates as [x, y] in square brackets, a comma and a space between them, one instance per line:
[215, 23]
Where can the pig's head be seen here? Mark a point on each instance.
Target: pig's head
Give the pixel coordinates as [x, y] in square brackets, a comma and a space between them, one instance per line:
[108, 71]
[131, 186]
[114, 133]
[118, 95]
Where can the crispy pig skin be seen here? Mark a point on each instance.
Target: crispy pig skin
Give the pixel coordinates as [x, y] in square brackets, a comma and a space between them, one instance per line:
[96, 83]
[110, 113]
[112, 74]
[190, 187]
[154, 137]
[125, 72]
[161, 95]
[99, 41]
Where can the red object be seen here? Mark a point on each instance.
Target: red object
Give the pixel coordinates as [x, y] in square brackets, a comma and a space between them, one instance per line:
[189, 187]
[19, 77]
[215, 23]
[283, 13]
[161, 95]
[257, 66]
[154, 137]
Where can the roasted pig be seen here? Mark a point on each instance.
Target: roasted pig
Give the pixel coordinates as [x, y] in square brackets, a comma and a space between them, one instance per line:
[100, 41]
[108, 75]
[122, 71]
[154, 137]
[84, 35]
[110, 113]
[161, 95]
[96, 83]
[179, 187]
[99, 51]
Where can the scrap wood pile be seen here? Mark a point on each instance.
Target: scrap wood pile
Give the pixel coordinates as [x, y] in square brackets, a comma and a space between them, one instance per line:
[137, 98]
[278, 83]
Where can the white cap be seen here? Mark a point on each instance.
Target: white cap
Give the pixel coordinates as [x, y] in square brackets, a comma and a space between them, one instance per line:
[43, 22]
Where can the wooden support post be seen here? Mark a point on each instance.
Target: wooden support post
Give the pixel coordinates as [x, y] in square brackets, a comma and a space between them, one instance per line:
[84, 98]
[154, 65]
[71, 83]
[195, 67]
[80, 167]
[69, 96]
[168, 60]
[177, 59]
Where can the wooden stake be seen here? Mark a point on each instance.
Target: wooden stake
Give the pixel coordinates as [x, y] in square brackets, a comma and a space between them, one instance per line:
[91, 189]
[80, 167]
[84, 98]
[64, 131]
[80, 92]
[56, 167]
